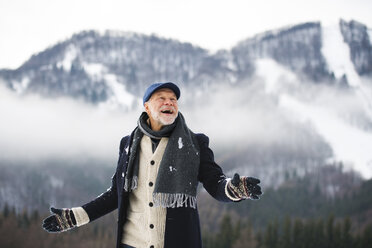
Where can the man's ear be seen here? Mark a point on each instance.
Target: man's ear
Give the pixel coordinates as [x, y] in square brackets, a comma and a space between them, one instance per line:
[147, 108]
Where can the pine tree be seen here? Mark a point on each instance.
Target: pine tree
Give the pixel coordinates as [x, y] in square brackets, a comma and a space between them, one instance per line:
[298, 234]
[309, 234]
[272, 236]
[6, 210]
[319, 240]
[246, 238]
[259, 239]
[226, 235]
[23, 220]
[208, 239]
[286, 238]
[346, 238]
[337, 239]
[34, 215]
[330, 232]
[366, 241]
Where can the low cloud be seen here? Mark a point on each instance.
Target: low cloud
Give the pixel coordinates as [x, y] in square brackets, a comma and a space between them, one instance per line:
[236, 118]
[33, 128]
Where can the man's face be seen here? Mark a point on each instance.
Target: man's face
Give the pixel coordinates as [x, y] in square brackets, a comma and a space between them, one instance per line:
[162, 108]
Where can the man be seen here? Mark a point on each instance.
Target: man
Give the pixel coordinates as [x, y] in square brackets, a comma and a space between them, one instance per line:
[155, 183]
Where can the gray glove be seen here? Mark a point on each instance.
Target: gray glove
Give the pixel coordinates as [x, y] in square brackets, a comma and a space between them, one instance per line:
[61, 220]
[244, 187]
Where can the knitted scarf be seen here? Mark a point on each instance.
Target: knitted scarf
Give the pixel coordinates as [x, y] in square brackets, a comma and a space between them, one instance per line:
[177, 179]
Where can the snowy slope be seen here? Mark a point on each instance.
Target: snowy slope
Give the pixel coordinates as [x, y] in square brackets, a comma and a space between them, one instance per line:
[319, 106]
[278, 78]
[350, 144]
[337, 54]
[119, 97]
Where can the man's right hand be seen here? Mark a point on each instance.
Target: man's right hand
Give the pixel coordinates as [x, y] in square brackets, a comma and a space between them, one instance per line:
[61, 220]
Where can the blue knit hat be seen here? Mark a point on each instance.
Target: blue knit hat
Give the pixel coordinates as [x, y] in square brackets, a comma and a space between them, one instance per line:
[156, 86]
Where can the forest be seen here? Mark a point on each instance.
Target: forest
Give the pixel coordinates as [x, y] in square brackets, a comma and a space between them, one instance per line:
[297, 214]
[24, 230]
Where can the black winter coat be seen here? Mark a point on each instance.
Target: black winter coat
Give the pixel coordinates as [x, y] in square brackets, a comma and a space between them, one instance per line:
[182, 229]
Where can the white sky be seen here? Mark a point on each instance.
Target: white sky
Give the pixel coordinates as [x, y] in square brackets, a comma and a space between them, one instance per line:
[30, 26]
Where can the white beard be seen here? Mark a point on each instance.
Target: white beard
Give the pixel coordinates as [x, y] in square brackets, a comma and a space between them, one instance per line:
[164, 120]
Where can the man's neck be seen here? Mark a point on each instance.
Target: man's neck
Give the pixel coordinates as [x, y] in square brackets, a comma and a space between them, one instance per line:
[155, 126]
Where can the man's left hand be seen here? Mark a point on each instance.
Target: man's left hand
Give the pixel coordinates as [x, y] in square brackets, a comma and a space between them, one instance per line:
[244, 187]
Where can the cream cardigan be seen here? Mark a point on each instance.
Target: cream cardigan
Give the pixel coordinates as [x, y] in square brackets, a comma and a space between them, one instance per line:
[145, 225]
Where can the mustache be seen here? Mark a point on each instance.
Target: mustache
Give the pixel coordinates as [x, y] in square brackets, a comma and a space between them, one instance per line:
[167, 108]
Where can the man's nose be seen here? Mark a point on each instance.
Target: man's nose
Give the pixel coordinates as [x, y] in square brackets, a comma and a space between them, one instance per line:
[168, 102]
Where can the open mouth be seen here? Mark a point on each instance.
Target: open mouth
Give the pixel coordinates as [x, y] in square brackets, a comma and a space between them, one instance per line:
[168, 111]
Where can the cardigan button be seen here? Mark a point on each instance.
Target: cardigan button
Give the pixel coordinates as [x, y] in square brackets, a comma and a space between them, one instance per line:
[151, 246]
[151, 184]
[151, 226]
[151, 204]
[152, 162]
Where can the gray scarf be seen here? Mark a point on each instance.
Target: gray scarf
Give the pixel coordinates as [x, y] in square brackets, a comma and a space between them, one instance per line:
[177, 179]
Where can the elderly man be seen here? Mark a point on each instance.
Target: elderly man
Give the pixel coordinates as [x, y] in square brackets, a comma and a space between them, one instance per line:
[155, 183]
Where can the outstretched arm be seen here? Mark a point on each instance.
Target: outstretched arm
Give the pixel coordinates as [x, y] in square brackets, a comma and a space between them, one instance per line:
[217, 184]
[68, 218]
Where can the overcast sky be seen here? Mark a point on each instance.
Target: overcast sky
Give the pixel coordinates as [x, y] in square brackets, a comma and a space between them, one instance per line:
[30, 26]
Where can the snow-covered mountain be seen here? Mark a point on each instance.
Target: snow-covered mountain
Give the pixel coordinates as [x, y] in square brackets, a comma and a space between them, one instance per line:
[99, 67]
[105, 67]
[282, 101]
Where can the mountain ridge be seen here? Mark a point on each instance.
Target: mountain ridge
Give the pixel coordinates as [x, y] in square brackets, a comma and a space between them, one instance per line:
[132, 60]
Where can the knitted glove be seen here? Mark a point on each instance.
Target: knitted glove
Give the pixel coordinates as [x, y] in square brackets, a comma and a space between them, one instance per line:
[61, 220]
[244, 187]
